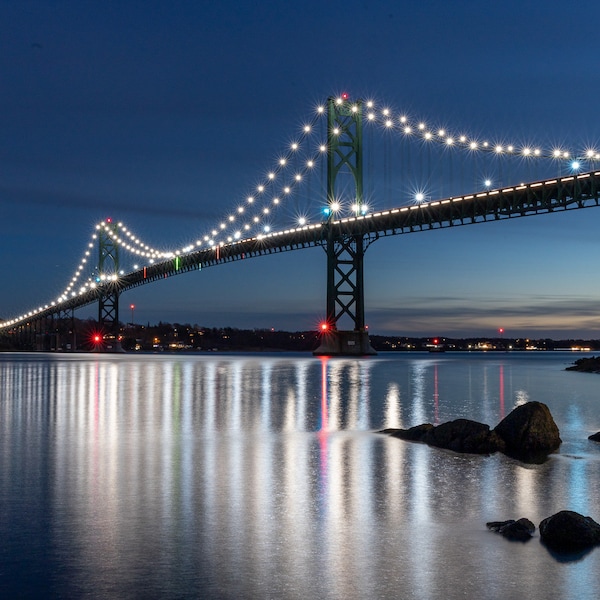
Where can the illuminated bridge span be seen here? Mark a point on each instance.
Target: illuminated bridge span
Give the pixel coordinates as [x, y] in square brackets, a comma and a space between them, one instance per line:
[345, 238]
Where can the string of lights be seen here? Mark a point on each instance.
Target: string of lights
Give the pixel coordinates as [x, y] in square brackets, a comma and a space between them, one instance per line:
[252, 216]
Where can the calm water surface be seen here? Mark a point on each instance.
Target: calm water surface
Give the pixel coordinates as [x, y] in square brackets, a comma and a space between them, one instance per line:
[261, 476]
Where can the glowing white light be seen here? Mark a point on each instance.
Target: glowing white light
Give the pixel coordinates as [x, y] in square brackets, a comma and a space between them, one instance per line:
[321, 109]
[302, 221]
[403, 119]
[386, 112]
[294, 146]
[310, 164]
[419, 197]
[271, 175]
[449, 141]
[240, 209]
[499, 148]
[307, 129]
[250, 199]
[260, 188]
[282, 161]
[487, 183]
[389, 123]
[407, 130]
[575, 165]
[428, 136]
[266, 229]
[441, 133]
[336, 131]
[421, 126]
[371, 116]
[323, 148]
[334, 206]
[298, 177]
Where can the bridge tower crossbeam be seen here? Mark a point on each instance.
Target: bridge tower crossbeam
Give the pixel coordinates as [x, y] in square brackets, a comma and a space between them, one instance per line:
[345, 251]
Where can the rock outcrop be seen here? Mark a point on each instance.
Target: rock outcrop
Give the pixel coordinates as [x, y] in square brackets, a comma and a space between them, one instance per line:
[529, 432]
[520, 530]
[568, 531]
[595, 437]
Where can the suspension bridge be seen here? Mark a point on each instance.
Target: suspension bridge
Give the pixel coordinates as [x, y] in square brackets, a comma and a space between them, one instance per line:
[349, 213]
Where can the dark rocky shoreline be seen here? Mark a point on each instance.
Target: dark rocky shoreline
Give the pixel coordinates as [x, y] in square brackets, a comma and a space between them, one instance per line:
[586, 365]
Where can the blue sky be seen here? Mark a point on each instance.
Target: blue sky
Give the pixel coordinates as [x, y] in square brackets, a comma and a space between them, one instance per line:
[164, 114]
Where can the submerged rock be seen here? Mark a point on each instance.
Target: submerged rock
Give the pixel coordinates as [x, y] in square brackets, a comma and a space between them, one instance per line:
[520, 530]
[529, 432]
[569, 531]
[595, 437]
[461, 435]
[414, 434]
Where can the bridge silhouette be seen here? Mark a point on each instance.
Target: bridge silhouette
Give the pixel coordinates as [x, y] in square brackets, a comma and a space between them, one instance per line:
[345, 237]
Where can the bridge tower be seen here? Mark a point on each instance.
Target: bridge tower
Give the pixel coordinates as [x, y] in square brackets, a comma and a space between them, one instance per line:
[345, 251]
[108, 270]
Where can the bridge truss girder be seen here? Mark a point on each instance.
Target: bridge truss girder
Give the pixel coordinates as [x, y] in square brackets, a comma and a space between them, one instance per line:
[537, 198]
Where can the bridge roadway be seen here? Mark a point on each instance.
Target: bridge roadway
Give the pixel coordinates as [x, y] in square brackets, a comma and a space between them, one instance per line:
[553, 195]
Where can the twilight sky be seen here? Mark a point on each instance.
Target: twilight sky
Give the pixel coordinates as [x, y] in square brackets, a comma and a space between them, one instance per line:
[164, 115]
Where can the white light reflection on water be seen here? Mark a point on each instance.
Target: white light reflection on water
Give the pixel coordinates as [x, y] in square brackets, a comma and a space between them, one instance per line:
[257, 476]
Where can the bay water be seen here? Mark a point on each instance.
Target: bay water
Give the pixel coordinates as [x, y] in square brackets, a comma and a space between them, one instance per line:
[263, 476]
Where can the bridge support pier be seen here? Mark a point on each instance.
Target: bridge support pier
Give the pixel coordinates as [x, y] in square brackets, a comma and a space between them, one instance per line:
[345, 343]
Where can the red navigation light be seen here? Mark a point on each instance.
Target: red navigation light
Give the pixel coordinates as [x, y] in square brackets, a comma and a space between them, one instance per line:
[435, 341]
[324, 326]
[97, 339]
[108, 220]
[345, 96]
[501, 330]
